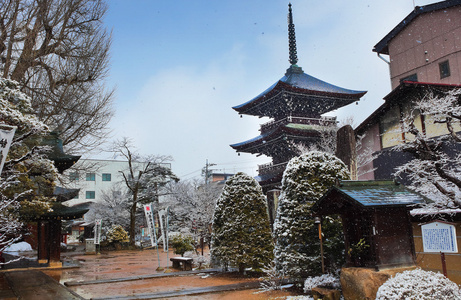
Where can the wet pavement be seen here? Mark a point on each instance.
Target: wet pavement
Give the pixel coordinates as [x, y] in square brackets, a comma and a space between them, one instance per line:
[146, 274]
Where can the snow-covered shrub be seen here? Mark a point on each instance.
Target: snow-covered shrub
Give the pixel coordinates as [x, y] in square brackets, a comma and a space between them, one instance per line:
[418, 284]
[28, 178]
[241, 231]
[182, 243]
[297, 250]
[117, 234]
[325, 281]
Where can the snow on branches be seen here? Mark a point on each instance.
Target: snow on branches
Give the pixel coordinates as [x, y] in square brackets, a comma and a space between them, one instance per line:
[435, 169]
[241, 231]
[28, 178]
[305, 180]
[418, 284]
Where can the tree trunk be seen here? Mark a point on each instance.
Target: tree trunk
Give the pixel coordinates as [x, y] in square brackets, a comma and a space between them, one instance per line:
[132, 224]
[241, 269]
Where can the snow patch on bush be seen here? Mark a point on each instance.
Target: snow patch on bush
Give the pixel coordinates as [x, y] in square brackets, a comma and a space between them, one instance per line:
[18, 247]
[418, 284]
[325, 281]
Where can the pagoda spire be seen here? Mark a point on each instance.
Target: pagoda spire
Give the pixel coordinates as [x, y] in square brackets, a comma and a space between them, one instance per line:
[292, 37]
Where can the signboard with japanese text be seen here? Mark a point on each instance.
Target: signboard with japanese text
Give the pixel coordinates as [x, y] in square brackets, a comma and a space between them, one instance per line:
[439, 237]
[6, 137]
[150, 223]
[97, 231]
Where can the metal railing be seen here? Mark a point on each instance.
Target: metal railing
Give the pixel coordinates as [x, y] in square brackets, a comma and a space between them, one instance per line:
[271, 168]
[323, 121]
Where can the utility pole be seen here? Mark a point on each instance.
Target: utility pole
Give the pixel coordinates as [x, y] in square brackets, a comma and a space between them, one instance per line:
[206, 171]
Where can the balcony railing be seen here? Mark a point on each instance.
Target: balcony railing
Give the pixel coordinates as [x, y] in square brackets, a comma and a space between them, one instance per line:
[323, 121]
[270, 168]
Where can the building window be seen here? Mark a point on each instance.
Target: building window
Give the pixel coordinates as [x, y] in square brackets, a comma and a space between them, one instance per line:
[90, 195]
[412, 77]
[73, 176]
[444, 68]
[90, 177]
[106, 177]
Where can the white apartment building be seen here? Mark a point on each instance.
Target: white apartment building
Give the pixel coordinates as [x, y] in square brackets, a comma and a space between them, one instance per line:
[93, 177]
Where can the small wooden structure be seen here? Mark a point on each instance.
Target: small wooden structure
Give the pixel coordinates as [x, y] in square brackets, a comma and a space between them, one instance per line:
[185, 261]
[48, 225]
[377, 227]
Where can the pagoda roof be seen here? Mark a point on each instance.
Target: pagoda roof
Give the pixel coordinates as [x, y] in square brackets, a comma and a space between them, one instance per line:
[298, 92]
[63, 212]
[294, 130]
[61, 160]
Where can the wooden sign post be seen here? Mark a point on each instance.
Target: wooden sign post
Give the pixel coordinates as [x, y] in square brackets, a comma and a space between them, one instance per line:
[439, 236]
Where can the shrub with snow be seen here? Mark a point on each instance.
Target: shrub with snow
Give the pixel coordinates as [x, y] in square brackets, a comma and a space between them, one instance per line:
[324, 281]
[297, 250]
[117, 234]
[241, 231]
[182, 244]
[418, 284]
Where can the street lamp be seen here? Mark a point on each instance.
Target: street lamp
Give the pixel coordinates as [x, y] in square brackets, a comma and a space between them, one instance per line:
[318, 221]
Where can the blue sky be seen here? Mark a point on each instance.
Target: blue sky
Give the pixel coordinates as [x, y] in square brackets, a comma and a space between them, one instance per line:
[180, 65]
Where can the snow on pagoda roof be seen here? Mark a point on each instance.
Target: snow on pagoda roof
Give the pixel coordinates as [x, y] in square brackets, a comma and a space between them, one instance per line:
[303, 131]
[317, 95]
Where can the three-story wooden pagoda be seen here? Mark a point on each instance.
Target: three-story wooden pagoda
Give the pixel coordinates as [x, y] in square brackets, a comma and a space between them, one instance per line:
[295, 104]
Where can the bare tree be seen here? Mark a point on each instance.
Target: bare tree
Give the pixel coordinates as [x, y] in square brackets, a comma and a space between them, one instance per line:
[145, 177]
[58, 51]
[193, 205]
[114, 209]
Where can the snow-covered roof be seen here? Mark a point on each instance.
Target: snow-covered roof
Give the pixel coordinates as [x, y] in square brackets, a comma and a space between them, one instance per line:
[295, 131]
[368, 194]
[313, 96]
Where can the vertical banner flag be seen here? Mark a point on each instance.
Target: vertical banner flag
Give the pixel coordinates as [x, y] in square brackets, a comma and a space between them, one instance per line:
[150, 222]
[162, 221]
[6, 136]
[97, 231]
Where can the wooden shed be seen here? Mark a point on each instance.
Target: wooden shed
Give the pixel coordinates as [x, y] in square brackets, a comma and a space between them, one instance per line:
[376, 222]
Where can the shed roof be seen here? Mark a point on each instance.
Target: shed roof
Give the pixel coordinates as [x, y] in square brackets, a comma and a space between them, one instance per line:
[366, 194]
[382, 46]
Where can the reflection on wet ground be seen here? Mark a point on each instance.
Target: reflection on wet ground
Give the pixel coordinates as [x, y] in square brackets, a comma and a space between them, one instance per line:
[129, 263]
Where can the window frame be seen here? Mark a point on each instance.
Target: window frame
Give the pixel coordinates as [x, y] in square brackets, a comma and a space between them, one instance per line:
[74, 176]
[90, 195]
[444, 69]
[90, 176]
[106, 177]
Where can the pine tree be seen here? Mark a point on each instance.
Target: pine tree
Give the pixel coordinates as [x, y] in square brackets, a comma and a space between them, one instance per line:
[305, 180]
[28, 178]
[241, 230]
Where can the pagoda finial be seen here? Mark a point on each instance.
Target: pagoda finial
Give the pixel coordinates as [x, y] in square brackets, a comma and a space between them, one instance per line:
[292, 38]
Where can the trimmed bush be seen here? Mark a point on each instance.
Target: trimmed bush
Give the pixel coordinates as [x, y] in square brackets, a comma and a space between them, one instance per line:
[182, 243]
[117, 234]
[418, 284]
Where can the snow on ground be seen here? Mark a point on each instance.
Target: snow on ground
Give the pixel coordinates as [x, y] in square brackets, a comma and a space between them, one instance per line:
[18, 247]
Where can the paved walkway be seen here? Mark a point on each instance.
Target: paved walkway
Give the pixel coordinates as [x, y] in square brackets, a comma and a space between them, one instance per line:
[189, 292]
[123, 279]
[35, 285]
